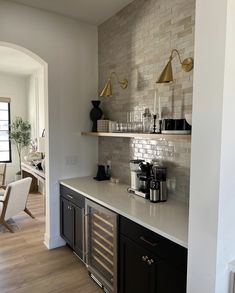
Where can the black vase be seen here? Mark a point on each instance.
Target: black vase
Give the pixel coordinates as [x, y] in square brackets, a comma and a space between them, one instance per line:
[95, 114]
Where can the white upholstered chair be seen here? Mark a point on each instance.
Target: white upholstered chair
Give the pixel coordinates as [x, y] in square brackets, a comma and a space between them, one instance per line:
[14, 201]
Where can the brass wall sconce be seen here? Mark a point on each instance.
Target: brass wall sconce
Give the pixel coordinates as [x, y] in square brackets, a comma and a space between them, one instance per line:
[167, 75]
[107, 90]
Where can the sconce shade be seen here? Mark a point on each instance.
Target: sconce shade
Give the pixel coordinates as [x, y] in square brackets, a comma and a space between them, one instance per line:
[166, 75]
[107, 90]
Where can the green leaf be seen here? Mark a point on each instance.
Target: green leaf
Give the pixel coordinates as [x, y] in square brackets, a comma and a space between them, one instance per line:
[20, 134]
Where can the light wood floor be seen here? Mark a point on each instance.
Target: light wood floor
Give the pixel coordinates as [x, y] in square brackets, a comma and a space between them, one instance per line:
[26, 266]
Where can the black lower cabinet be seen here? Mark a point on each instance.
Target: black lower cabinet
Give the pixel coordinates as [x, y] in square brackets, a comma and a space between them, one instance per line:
[72, 220]
[148, 262]
[136, 274]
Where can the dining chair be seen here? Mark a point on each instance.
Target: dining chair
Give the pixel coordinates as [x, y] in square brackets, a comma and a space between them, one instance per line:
[14, 201]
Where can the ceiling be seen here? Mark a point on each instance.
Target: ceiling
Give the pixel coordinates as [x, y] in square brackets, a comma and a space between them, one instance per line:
[91, 11]
[16, 62]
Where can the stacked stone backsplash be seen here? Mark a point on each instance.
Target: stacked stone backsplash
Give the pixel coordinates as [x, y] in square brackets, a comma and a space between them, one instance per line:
[136, 43]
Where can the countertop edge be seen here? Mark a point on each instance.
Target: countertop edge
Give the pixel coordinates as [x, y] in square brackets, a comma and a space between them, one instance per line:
[160, 232]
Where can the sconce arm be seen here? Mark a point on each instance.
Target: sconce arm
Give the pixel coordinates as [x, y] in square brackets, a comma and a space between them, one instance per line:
[115, 74]
[123, 83]
[177, 52]
[187, 64]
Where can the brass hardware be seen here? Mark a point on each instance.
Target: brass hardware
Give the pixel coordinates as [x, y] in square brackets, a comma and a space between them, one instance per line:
[167, 75]
[107, 90]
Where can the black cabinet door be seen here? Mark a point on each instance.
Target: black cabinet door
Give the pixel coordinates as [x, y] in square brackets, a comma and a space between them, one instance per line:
[141, 272]
[67, 221]
[137, 268]
[170, 279]
[78, 230]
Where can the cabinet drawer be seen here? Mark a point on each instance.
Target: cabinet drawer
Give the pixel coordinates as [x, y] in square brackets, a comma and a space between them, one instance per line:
[158, 245]
[72, 196]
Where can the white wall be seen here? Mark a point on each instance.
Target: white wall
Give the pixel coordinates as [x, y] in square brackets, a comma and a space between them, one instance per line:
[212, 200]
[226, 231]
[41, 102]
[14, 87]
[36, 107]
[70, 49]
[32, 105]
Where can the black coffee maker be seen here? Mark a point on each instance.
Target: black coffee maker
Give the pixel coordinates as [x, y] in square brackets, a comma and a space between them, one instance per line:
[145, 178]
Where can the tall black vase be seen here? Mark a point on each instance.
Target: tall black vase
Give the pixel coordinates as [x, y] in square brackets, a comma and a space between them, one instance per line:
[95, 114]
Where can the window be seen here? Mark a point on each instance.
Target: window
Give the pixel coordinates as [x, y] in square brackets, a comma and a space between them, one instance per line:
[5, 143]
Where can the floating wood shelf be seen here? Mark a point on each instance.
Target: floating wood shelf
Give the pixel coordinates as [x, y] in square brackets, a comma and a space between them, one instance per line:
[140, 135]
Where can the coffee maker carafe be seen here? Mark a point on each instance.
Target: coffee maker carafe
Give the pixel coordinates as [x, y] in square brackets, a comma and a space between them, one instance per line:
[145, 178]
[158, 187]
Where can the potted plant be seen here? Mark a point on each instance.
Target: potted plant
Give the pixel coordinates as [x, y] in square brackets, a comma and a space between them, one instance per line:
[20, 134]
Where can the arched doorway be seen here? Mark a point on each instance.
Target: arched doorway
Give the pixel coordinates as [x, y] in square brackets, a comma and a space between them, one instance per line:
[38, 62]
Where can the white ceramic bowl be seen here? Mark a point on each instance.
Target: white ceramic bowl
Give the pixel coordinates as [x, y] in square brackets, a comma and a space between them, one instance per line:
[188, 118]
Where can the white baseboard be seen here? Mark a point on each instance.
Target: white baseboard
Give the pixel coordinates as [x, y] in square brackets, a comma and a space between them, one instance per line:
[53, 242]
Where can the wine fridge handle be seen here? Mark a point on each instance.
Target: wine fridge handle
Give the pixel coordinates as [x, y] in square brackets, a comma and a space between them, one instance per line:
[86, 236]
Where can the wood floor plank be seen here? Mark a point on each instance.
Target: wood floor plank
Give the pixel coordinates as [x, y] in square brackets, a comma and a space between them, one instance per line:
[26, 266]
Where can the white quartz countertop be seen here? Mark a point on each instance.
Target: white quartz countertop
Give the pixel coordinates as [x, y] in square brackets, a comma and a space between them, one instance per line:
[169, 219]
